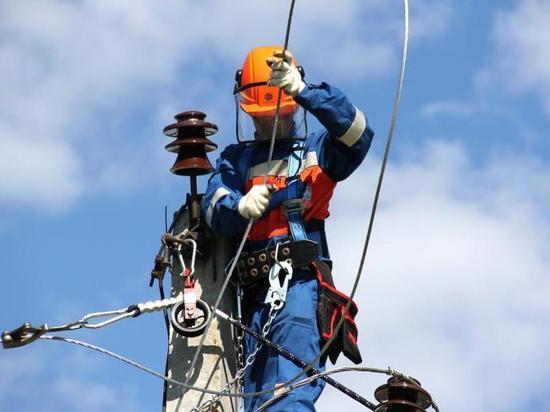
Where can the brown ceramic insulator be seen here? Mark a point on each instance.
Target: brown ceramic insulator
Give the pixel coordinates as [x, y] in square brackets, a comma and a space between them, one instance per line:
[398, 406]
[190, 121]
[177, 144]
[401, 390]
[191, 143]
[191, 164]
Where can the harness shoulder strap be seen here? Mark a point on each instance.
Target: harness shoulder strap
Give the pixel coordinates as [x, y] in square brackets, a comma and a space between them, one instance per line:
[291, 196]
[294, 205]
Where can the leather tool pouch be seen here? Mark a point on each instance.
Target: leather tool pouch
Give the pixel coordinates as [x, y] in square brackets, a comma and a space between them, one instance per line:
[330, 309]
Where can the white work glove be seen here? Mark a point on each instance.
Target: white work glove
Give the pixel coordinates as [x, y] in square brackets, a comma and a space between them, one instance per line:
[284, 74]
[254, 203]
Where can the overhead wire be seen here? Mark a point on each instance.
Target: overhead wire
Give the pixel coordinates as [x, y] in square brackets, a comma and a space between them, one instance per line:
[389, 138]
[279, 96]
[287, 384]
[251, 221]
[387, 371]
[393, 122]
[137, 365]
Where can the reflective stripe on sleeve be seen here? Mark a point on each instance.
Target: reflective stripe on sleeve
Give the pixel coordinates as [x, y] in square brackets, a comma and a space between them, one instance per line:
[277, 168]
[218, 194]
[356, 129]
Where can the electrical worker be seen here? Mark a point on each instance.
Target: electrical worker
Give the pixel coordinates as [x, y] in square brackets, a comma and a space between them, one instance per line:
[290, 209]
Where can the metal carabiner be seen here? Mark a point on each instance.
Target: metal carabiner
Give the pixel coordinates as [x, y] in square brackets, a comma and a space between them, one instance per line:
[182, 262]
[276, 295]
[184, 271]
[193, 254]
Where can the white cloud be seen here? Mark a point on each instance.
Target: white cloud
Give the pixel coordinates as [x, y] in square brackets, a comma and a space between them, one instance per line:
[83, 395]
[454, 289]
[430, 18]
[75, 75]
[46, 379]
[467, 109]
[16, 369]
[447, 107]
[63, 65]
[38, 171]
[521, 61]
[455, 285]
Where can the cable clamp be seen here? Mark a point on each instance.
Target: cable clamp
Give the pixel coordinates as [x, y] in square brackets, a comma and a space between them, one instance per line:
[23, 335]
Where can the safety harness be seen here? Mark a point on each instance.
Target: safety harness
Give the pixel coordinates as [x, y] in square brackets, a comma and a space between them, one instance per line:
[254, 265]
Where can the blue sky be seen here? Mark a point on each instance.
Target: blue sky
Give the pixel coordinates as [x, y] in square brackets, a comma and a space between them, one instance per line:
[456, 284]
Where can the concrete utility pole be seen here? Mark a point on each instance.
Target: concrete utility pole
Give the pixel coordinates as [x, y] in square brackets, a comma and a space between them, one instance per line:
[216, 365]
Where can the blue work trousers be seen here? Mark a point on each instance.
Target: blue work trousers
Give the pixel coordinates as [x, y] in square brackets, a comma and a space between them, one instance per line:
[295, 329]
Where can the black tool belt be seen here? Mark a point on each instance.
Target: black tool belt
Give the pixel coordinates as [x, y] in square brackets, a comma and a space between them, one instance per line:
[253, 267]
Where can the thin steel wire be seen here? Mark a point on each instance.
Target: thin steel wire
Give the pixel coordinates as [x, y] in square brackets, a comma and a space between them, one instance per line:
[251, 221]
[217, 303]
[288, 384]
[136, 365]
[388, 371]
[389, 139]
[279, 95]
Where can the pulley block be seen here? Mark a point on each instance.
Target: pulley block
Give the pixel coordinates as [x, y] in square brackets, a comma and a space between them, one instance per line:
[400, 395]
[190, 324]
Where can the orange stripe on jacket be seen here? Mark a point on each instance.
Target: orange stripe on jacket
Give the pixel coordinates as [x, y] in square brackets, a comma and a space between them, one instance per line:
[321, 188]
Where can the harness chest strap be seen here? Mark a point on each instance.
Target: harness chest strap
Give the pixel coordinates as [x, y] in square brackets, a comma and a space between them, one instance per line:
[290, 198]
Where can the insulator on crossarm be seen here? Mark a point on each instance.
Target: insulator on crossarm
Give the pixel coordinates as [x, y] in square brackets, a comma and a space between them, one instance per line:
[400, 395]
[191, 144]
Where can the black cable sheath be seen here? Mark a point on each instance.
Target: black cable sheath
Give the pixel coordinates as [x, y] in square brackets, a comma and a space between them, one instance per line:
[299, 362]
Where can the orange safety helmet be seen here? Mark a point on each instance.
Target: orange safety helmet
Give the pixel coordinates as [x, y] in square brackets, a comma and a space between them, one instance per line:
[255, 97]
